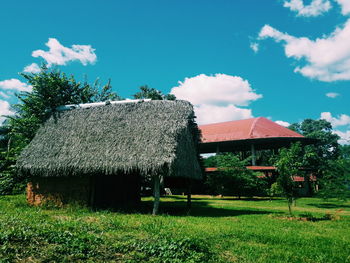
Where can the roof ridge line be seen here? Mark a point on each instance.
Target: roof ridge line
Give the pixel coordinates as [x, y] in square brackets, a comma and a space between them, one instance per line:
[253, 126]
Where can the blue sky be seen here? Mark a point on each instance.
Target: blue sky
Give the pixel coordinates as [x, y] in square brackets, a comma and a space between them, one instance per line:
[200, 50]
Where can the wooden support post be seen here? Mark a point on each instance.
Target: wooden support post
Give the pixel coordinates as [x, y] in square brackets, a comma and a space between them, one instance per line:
[217, 149]
[189, 201]
[156, 194]
[253, 154]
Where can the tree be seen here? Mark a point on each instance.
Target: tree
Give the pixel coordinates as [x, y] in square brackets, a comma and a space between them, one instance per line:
[50, 89]
[153, 94]
[326, 146]
[336, 180]
[288, 165]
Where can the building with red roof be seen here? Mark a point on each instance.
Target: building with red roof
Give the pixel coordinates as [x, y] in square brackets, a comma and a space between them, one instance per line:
[251, 135]
[247, 135]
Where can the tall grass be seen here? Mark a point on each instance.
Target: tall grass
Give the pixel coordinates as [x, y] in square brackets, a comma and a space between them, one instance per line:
[217, 230]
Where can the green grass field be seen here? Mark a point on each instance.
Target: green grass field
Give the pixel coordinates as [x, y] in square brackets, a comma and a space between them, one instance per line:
[217, 230]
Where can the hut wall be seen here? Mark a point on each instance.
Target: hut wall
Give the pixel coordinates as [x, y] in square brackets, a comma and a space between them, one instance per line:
[97, 191]
[58, 190]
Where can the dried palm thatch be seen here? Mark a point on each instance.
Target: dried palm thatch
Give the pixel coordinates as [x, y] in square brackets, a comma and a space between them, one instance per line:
[148, 138]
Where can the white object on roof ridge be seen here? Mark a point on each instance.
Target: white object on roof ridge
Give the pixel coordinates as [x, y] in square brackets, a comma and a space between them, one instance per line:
[97, 104]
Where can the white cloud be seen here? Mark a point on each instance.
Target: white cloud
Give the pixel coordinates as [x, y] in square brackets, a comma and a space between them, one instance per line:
[326, 59]
[207, 113]
[345, 6]
[220, 89]
[61, 55]
[344, 136]
[32, 68]
[254, 46]
[342, 120]
[283, 123]
[216, 98]
[315, 8]
[332, 95]
[4, 110]
[14, 85]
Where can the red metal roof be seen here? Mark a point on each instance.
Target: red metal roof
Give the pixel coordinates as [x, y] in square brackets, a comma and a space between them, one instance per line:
[261, 168]
[254, 168]
[255, 128]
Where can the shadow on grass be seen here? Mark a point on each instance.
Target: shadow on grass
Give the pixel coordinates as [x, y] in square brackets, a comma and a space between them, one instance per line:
[218, 198]
[198, 209]
[329, 205]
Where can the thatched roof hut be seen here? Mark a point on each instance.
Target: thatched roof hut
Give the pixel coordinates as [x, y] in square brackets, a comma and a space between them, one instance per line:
[145, 138]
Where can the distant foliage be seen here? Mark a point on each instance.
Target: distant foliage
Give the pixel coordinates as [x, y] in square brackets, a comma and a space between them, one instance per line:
[151, 93]
[232, 177]
[336, 180]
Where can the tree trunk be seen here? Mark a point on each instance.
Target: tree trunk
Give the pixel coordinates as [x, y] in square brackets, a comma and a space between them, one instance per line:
[290, 205]
[156, 194]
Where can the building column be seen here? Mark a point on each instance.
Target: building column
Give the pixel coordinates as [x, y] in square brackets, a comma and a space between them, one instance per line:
[253, 154]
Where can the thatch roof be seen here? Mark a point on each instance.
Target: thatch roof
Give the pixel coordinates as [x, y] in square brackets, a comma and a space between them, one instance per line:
[146, 137]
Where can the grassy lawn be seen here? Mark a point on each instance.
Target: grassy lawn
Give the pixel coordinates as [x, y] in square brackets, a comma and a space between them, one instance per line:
[217, 230]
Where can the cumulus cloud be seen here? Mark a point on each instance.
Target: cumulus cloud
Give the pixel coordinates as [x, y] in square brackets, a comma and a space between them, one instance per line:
[220, 89]
[283, 123]
[14, 85]
[332, 95]
[344, 136]
[61, 55]
[217, 98]
[326, 58]
[342, 120]
[4, 110]
[207, 113]
[315, 8]
[345, 6]
[32, 68]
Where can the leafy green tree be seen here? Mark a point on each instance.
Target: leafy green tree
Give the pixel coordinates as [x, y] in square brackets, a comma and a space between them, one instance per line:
[151, 93]
[336, 180]
[288, 165]
[50, 89]
[326, 146]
